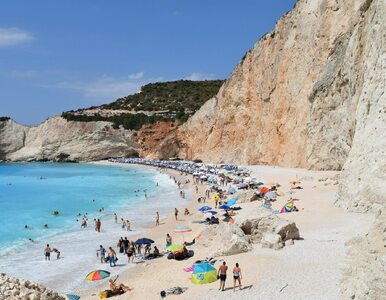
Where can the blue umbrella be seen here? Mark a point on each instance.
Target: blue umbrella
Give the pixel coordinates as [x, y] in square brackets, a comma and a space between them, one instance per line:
[145, 241]
[205, 208]
[231, 202]
[224, 207]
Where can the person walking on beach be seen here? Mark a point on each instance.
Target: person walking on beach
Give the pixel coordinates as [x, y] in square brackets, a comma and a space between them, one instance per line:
[101, 252]
[157, 219]
[47, 252]
[130, 252]
[128, 226]
[176, 213]
[126, 244]
[236, 276]
[222, 273]
[98, 225]
[121, 245]
[112, 257]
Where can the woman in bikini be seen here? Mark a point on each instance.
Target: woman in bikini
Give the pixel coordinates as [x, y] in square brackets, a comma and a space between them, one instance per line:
[236, 276]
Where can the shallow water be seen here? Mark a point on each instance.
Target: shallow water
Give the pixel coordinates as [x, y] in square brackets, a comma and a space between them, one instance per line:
[30, 192]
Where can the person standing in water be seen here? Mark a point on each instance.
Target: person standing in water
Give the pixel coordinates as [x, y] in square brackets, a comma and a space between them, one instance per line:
[236, 276]
[47, 252]
[116, 218]
[112, 257]
[222, 273]
[157, 219]
[57, 252]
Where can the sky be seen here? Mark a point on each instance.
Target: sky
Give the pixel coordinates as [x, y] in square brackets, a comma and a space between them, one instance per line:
[68, 54]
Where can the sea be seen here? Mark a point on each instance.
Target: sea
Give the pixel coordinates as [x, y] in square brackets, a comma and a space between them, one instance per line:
[30, 193]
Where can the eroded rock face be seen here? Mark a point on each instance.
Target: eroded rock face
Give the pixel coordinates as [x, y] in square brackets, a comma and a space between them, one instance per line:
[59, 140]
[257, 221]
[246, 196]
[224, 239]
[365, 275]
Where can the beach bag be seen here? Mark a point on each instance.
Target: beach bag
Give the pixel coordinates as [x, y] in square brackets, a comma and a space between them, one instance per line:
[105, 294]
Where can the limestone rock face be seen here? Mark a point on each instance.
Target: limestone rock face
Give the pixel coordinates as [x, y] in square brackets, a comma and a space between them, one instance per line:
[224, 239]
[365, 275]
[59, 140]
[309, 94]
[257, 221]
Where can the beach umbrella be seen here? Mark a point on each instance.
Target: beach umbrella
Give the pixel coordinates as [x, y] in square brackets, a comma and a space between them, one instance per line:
[72, 297]
[174, 247]
[204, 273]
[215, 197]
[224, 207]
[288, 207]
[182, 229]
[205, 208]
[270, 195]
[97, 275]
[231, 202]
[144, 241]
[212, 212]
[264, 190]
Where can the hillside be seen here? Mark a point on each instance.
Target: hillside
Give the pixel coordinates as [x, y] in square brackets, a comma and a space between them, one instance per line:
[156, 102]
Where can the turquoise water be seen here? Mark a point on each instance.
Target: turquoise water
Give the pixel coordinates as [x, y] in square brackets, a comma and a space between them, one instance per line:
[30, 192]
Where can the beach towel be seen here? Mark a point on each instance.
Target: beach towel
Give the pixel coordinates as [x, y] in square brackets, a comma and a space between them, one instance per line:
[189, 269]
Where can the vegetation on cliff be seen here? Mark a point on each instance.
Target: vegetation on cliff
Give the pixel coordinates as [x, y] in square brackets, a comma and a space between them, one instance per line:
[173, 96]
[163, 101]
[3, 119]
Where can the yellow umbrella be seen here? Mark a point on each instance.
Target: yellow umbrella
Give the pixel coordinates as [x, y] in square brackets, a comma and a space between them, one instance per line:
[216, 197]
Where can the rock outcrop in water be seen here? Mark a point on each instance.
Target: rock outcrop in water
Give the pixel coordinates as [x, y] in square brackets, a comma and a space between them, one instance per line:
[59, 140]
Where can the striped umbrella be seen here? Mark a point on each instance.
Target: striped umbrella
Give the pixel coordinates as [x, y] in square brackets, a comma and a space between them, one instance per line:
[97, 275]
[182, 230]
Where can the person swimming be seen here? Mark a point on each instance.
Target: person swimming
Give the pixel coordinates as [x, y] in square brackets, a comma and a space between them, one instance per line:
[45, 225]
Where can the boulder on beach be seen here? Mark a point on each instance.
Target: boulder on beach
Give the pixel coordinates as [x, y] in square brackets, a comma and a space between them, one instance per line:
[224, 239]
[256, 221]
[246, 196]
[13, 288]
[271, 240]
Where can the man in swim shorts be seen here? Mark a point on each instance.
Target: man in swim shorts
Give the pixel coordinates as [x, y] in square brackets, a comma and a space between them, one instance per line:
[47, 252]
[222, 274]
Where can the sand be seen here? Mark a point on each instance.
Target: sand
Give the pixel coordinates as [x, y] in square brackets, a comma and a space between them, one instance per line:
[309, 269]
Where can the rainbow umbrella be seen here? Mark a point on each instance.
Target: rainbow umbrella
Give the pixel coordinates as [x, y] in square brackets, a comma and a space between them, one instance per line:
[97, 275]
[288, 207]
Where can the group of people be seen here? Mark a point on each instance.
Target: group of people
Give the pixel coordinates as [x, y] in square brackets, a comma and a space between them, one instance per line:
[48, 250]
[222, 275]
[110, 258]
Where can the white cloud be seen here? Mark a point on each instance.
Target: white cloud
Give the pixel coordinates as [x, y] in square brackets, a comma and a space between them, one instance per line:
[13, 37]
[138, 75]
[107, 88]
[200, 76]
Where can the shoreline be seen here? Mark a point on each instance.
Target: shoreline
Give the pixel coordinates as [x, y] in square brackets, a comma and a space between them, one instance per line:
[322, 226]
[86, 241]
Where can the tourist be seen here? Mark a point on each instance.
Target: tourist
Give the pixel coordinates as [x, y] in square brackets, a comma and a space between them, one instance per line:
[123, 226]
[112, 255]
[47, 252]
[156, 252]
[116, 218]
[176, 213]
[157, 219]
[236, 276]
[147, 249]
[128, 226]
[130, 252]
[45, 226]
[118, 289]
[98, 225]
[126, 244]
[196, 189]
[57, 252]
[84, 223]
[186, 213]
[168, 240]
[121, 245]
[222, 273]
[102, 253]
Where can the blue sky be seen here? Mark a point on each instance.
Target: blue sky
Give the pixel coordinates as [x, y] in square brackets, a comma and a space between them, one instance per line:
[68, 54]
